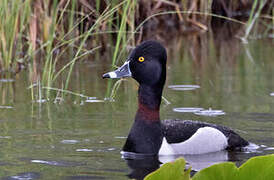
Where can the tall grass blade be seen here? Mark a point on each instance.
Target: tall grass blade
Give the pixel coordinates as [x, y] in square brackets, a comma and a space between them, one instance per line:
[253, 17]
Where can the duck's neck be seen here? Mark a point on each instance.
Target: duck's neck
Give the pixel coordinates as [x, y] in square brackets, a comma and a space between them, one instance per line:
[146, 135]
[149, 100]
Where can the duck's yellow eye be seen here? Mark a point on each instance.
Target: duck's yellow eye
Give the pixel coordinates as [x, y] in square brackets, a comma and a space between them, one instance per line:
[141, 59]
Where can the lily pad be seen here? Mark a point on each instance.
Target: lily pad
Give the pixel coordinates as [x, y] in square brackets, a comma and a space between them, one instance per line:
[222, 171]
[256, 168]
[171, 171]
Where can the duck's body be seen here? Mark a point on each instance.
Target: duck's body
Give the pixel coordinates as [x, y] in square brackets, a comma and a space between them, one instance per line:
[194, 137]
[170, 137]
[150, 136]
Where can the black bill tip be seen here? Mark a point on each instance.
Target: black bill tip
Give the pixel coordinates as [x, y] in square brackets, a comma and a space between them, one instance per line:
[106, 75]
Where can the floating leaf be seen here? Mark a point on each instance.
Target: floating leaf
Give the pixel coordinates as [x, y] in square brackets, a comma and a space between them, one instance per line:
[171, 171]
[222, 171]
[258, 168]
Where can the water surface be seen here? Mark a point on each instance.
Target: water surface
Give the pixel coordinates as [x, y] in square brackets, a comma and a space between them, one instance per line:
[79, 138]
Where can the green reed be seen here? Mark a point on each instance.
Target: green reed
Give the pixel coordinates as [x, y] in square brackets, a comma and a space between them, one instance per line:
[50, 75]
[127, 16]
[12, 15]
[253, 17]
[100, 19]
[32, 29]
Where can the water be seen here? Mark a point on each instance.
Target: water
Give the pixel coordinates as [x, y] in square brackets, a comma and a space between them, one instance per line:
[80, 138]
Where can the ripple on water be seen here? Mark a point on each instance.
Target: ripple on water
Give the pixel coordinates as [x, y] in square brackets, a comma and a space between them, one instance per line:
[24, 176]
[6, 80]
[82, 177]
[109, 99]
[269, 149]
[40, 101]
[120, 137]
[252, 148]
[56, 163]
[5, 137]
[91, 97]
[84, 150]
[187, 109]
[210, 112]
[94, 100]
[111, 149]
[183, 87]
[69, 141]
[53, 163]
[6, 107]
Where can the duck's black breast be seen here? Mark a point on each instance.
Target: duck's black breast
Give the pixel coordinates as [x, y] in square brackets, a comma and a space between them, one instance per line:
[177, 131]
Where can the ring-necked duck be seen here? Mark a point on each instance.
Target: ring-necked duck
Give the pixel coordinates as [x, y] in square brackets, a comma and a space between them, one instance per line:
[150, 136]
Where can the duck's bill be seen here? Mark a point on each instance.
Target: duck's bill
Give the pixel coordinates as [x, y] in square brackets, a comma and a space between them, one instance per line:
[123, 71]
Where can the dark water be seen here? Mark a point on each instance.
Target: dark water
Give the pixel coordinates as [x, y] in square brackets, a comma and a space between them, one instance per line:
[79, 139]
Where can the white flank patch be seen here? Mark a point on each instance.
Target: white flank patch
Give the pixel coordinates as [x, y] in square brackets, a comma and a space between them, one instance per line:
[205, 140]
[166, 149]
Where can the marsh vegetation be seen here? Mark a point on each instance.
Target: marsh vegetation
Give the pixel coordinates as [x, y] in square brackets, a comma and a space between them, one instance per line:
[48, 37]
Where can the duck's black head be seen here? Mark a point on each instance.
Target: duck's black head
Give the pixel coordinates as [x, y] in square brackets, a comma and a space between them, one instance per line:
[146, 64]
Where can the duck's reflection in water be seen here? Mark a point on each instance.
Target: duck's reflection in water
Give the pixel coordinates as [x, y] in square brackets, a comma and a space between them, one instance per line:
[142, 165]
[199, 161]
